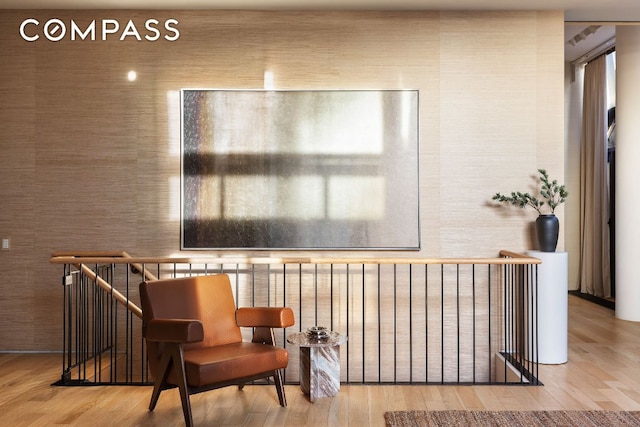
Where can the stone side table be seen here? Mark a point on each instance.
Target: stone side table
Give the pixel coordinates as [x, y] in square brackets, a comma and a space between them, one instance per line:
[319, 364]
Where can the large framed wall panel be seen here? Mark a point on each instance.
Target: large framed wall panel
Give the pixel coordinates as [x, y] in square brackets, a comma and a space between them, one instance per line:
[304, 169]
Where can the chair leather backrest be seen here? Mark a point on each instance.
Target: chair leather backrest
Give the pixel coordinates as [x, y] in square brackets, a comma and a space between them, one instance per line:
[205, 298]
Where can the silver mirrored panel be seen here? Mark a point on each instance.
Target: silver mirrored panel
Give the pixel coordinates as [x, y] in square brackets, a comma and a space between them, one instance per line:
[321, 169]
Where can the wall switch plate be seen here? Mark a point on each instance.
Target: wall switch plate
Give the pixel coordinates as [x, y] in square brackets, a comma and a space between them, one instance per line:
[6, 244]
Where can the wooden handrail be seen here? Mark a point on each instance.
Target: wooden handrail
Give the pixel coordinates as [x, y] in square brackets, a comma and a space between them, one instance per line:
[506, 257]
[99, 280]
[86, 254]
[146, 274]
[80, 259]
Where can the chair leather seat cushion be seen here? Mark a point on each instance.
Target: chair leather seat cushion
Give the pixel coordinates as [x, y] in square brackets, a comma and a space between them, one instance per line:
[210, 365]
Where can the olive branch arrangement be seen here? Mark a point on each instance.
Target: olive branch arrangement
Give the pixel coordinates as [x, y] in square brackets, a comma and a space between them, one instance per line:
[552, 194]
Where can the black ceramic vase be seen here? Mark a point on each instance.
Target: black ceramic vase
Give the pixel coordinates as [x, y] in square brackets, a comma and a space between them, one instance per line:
[547, 227]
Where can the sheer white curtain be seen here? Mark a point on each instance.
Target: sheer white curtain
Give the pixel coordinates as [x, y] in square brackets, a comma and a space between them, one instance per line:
[595, 273]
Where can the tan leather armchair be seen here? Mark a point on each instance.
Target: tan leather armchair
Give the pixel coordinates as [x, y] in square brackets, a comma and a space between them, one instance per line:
[192, 329]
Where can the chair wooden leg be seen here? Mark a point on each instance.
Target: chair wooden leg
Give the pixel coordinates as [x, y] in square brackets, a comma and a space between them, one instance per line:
[161, 379]
[277, 379]
[178, 365]
[157, 389]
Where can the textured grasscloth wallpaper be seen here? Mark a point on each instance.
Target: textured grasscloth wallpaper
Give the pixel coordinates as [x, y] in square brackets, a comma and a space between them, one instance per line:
[90, 160]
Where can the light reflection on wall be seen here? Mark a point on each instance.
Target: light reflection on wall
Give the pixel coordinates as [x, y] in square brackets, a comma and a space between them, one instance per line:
[174, 198]
[173, 122]
[173, 137]
[268, 80]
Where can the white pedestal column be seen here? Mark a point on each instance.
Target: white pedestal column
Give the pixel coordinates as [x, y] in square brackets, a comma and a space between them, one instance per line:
[627, 173]
[552, 304]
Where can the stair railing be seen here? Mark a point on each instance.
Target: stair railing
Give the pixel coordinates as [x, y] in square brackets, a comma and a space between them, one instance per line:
[409, 320]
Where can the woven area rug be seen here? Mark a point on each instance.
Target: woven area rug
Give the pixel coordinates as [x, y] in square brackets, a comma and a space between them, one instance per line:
[511, 418]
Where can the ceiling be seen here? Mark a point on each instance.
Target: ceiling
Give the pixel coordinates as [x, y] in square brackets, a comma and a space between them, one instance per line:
[575, 10]
[582, 13]
[586, 39]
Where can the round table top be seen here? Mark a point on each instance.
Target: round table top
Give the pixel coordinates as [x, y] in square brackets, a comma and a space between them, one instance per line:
[307, 340]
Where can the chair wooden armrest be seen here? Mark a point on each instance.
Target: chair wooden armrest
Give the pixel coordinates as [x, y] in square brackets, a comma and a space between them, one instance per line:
[174, 330]
[265, 317]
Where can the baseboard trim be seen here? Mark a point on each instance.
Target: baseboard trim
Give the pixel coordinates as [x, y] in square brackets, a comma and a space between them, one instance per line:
[594, 299]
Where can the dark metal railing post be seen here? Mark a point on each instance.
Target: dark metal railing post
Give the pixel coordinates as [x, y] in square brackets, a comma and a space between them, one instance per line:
[364, 299]
[535, 324]
[379, 327]
[507, 321]
[348, 320]
[473, 305]
[67, 329]
[490, 332]
[458, 321]
[442, 324]
[426, 323]
[522, 295]
[410, 324]
[395, 323]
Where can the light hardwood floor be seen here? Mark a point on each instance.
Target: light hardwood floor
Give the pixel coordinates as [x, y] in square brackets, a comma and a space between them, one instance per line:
[602, 374]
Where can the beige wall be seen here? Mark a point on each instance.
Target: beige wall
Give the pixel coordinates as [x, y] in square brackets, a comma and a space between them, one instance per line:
[89, 160]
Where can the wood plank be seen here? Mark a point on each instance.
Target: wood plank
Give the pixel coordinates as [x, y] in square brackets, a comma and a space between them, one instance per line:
[588, 381]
